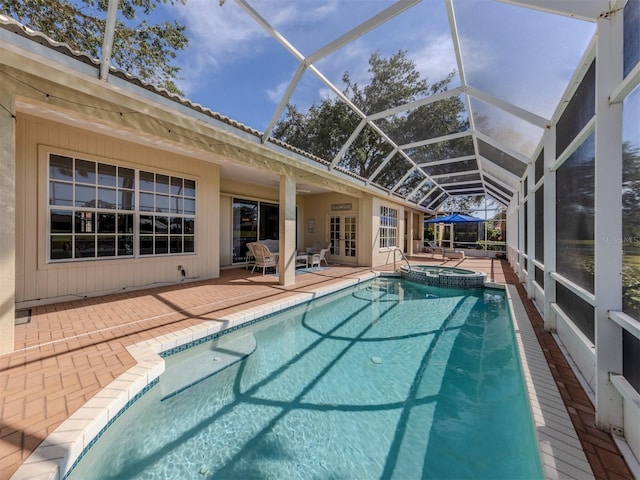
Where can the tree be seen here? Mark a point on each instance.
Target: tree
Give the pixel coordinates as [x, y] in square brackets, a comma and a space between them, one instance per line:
[143, 49]
[465, 204]
[631, 229]
[394, 81]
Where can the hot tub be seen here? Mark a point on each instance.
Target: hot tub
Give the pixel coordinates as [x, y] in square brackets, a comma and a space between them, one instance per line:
[444, 276]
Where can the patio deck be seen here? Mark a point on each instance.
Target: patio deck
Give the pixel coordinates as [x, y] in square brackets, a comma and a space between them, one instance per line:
[69, 351]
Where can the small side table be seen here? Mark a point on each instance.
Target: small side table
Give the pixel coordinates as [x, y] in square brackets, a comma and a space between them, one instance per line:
[302, 260]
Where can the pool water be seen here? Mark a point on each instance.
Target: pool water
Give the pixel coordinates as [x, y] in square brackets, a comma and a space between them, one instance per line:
[389, 379]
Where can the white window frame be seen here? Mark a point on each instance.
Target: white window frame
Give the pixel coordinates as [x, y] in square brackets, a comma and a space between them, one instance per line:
[176, 200]
[388, 233]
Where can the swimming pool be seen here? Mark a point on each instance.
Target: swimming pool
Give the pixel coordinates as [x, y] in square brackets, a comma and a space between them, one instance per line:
[389, 379]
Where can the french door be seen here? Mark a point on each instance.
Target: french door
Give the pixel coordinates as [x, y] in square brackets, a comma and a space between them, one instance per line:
[342, 233]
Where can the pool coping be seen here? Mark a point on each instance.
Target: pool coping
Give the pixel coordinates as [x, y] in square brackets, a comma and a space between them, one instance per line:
[560, 448]
[561, 453]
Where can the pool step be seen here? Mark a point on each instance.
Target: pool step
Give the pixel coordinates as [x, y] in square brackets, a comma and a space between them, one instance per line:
[186, 369]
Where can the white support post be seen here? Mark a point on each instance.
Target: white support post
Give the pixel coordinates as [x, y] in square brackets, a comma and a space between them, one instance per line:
[608, 220]
[7, 220]
[287, 248]
[521, 265]
[549, 228]
[531, 228]
[109, 33]
[409, 235]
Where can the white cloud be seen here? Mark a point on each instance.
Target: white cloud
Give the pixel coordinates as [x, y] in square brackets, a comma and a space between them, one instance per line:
[224, 35]
[275, 94]
[218, 34]
[296, 14]
[436, 59]
[477, 56]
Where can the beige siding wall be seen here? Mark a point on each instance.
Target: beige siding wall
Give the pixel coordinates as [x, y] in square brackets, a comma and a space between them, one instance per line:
[317, 210]
[247, 190]
[383, 256]
[38, 281]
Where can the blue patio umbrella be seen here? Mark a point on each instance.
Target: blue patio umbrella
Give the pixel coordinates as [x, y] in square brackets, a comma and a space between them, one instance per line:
[455, 218]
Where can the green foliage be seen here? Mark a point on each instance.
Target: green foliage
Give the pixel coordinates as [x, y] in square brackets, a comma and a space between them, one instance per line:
[394, 81]
[462, 204]
[631, 229]
[145, 50]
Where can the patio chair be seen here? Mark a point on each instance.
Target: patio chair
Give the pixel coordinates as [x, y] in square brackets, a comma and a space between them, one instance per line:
[249, 257]
[263, 257]
[322, 257]
[317, 246]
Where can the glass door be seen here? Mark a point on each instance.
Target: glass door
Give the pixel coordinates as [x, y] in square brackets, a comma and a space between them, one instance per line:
[245, 227]
[342, 233]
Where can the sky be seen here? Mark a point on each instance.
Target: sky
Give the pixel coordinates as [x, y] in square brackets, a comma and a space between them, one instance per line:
[235, 67]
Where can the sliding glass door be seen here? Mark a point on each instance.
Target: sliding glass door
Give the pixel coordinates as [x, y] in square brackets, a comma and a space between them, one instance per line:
[252, 221]
[245, 227]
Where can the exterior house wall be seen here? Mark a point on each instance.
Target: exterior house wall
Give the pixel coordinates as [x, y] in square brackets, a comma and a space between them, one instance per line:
[383, 256]
[39, 281]
[234, 188]
[316, 210]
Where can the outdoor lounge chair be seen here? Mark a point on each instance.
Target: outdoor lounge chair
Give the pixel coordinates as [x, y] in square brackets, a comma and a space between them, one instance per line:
[263, 257]
[432, 247]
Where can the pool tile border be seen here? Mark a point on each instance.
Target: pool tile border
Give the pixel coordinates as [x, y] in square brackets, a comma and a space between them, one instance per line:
[446, 280]
[561, 453]
[60, 452]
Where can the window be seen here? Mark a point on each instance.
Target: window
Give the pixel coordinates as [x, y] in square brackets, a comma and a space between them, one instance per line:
[92, 211]
[388, 227]
[167, 214]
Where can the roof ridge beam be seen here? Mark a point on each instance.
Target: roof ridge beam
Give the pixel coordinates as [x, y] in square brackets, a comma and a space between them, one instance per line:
[500, 182]
[500, 169]
[271, 30]
[418, 187]
[589, 11]
[297, 76]
[366, 26]
[403, 179]
[463, 172]
[496, 144]
[466, 182]
[417, 103]
[436, 199]
[431, 141]
[384, 163]
[449, 160]
[508, 107]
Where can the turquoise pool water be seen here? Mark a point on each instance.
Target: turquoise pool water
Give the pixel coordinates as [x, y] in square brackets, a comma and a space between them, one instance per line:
[389, 379]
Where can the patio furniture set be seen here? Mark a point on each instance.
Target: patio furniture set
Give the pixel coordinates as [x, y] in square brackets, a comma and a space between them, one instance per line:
[261, 256]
